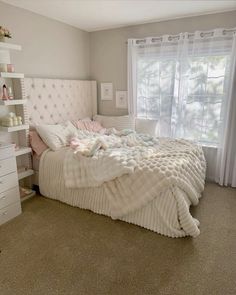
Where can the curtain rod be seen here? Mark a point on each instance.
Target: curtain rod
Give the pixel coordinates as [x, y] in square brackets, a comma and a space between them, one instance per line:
[172, 37]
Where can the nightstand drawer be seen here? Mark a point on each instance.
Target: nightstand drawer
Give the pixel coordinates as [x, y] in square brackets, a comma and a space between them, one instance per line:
[10, 212]
[7, 166]
[7, 182]
[6, 152]
[9, 197]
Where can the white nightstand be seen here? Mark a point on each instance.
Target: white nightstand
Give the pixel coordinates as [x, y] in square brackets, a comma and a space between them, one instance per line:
[10, 205]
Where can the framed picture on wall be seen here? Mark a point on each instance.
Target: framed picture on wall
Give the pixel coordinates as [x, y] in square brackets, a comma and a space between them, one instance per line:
[106, 91]
[121, 100]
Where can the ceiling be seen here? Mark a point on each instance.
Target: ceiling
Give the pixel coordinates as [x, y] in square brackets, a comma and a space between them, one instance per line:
[94, 15]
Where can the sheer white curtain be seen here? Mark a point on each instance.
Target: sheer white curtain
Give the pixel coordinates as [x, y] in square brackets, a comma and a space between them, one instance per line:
[186, 83]
[226, 152]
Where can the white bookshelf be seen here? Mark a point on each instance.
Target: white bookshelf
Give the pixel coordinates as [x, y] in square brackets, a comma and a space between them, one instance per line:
[17, 105]
[32, 194]
[11, 75]
[24, 174]
[23, 151]
[9, 46]
[14, 128]
[12, 102]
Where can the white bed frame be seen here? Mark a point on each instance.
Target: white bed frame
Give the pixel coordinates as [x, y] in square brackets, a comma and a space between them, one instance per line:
[52, 101]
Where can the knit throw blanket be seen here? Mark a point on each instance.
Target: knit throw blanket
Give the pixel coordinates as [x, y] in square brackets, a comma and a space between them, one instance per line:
[136, 168]
[94, 159]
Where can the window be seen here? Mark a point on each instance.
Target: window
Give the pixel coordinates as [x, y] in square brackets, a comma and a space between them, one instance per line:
[185, 93]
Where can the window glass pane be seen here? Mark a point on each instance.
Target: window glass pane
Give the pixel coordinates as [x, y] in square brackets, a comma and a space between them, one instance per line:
[205, 96]
[148, 88]
[184, 95]
[155, 83]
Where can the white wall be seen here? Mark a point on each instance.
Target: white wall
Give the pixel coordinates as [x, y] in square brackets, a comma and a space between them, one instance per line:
[50, 48]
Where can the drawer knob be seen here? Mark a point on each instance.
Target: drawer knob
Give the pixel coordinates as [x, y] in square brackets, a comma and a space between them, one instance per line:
[3, 198]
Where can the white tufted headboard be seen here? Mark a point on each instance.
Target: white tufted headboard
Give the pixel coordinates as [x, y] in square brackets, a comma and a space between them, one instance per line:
[52, 101]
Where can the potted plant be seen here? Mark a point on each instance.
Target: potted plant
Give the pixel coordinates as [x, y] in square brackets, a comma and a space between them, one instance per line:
[4, 33]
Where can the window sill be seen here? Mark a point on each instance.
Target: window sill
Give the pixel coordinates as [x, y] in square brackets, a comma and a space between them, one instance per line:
[208, 145]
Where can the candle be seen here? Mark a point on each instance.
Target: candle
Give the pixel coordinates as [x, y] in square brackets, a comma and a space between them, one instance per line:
[3, 67]
[10, 68]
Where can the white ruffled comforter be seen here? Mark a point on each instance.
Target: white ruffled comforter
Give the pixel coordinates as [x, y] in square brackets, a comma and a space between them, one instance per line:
[152, 165]
[95, 159]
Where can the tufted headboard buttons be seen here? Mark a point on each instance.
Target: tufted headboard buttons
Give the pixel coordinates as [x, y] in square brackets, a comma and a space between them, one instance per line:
[52, 101]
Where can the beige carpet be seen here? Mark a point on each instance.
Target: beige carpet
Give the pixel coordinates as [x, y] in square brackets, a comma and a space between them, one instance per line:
[53, 248]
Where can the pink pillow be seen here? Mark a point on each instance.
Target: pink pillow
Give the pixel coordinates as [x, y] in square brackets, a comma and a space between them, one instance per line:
[80, 125]
[38, 146]
[93, 126]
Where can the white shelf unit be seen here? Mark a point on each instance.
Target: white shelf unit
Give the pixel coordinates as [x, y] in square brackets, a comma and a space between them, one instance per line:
[17, 105]
[14, 128]
[9, 46]
[12, 102]
[26, 173]
[32, 194]
[23, 151]
[11, 75]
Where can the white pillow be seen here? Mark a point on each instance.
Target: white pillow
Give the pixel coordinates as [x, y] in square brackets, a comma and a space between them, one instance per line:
[118, 122]
[146, 126]
[56, 136]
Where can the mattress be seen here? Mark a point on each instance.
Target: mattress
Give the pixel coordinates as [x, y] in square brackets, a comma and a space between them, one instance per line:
[160, 215]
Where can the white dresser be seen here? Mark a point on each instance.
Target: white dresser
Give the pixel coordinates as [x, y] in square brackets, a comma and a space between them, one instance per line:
[10, 205]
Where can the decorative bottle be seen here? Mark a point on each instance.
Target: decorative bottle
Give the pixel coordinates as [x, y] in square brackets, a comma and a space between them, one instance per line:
[4, 92]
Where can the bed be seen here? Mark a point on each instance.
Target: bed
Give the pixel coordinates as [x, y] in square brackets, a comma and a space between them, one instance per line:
[166, 212]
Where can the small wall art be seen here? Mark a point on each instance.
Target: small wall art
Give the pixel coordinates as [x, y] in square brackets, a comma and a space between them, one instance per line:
[121, 99]
[106, 91]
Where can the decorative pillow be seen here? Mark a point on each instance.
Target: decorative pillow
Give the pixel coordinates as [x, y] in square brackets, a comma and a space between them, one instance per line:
[38, 146]
[118, 122]
[93, 126]
[146, 126]
[79, 124]
[56, 136]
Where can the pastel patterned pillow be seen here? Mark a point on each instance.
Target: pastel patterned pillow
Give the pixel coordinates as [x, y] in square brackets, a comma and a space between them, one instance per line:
[93, 126]
[80, 125]
[38, 146]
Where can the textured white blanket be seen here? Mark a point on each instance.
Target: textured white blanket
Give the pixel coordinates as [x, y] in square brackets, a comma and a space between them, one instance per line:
[152, 166]
[100, 158]
[177, 164]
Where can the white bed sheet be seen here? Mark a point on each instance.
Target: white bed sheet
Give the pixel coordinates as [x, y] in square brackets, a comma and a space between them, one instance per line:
[160, 215]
